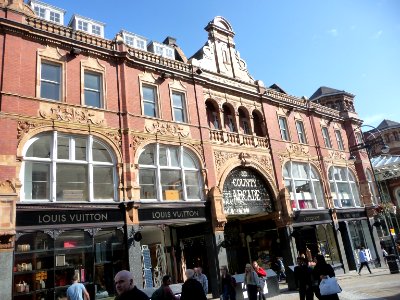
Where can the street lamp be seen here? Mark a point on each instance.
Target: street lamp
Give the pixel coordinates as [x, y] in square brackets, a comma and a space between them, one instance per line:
[368, 145]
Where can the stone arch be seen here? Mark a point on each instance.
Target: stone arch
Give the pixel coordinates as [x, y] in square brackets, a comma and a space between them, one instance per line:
[112, 143]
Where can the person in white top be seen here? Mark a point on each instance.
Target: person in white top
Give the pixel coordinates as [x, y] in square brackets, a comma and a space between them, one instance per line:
[363, 260]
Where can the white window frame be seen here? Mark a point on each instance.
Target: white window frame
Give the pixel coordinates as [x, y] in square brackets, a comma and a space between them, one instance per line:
[150, 101]
[97, 91]
[301, 134]
[55, 17]
[83, 25]
[40, 11]
[53, 160]
[158, 168]
[339, 140]
[60, 84]
[325, 136]
[316, 203]
[182, 108]
[96, 29]
[351, 185]
[283, 128]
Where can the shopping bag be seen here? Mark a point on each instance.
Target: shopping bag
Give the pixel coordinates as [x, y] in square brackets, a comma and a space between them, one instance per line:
[329, 286]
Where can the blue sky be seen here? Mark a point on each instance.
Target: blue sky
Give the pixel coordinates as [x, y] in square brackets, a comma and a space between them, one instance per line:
[350, 45]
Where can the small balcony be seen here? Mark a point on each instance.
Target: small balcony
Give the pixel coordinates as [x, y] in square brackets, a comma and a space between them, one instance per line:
[234, 138]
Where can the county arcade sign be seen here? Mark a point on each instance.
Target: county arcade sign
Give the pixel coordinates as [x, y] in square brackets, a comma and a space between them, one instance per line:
[245, 192]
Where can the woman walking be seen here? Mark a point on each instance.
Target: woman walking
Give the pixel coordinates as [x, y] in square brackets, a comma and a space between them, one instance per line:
[251, 281]
[321, 271]
[227, 285]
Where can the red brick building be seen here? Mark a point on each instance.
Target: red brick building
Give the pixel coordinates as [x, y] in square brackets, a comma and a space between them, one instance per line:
[127, 154]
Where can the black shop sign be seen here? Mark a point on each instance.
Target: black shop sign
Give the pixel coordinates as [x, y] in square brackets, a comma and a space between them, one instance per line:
[351, 215]
[160, 213]
[245, 192]
[305, 217]
[66, 217]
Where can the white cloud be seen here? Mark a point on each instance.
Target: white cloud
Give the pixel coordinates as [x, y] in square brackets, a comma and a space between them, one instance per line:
[333, 32]
[374, 120]
[378, 34]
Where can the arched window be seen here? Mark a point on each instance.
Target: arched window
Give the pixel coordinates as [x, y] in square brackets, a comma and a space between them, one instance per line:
[244, 121]
[344, 189]
[229, 118]
[302, 181]
[169, 173]
[371, 186]
[61, 167]
[213, 115]
[258, 123]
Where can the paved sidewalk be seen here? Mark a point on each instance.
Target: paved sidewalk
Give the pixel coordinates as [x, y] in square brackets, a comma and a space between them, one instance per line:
[380, 285]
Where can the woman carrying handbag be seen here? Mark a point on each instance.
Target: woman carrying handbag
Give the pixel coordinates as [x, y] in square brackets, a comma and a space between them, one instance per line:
[321, 271]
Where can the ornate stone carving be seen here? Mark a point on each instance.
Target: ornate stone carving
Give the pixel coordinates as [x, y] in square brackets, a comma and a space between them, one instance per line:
[294, 150]
[265, 162]
[24, 127]
[163, 128]
[136, 141]
[337, 155]
[199, 150]
[71, 114]
[116, 137]
[7, 187]
[221, 157]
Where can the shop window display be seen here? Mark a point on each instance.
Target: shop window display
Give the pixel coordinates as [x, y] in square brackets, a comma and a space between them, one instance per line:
[44, 266]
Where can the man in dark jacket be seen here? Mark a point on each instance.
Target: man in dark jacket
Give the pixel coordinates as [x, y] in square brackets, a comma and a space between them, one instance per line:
[191, 288]
[126, 289]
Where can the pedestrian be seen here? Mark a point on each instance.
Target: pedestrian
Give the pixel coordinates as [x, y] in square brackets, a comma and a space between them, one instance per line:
[303, 279]
[384, 254]
[125, 287]
[321, 271]
[252, 282]
[202, 278]
[191, 288]
[261, 276]
[164, 292]
[227, 285]
[77, 290]
[363, 260]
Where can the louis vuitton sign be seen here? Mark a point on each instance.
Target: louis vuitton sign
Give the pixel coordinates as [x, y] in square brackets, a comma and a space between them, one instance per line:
[38, 218]
[161, 213]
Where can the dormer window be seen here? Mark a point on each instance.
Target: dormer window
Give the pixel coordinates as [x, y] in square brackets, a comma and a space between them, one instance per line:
[87, 25]
[47, 12]
[134, 40]
[162, 50]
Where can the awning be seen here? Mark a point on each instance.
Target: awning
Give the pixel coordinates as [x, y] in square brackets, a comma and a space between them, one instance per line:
[386, 167]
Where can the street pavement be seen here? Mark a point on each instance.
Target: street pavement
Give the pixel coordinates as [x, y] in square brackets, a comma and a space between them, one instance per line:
[380, 285]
